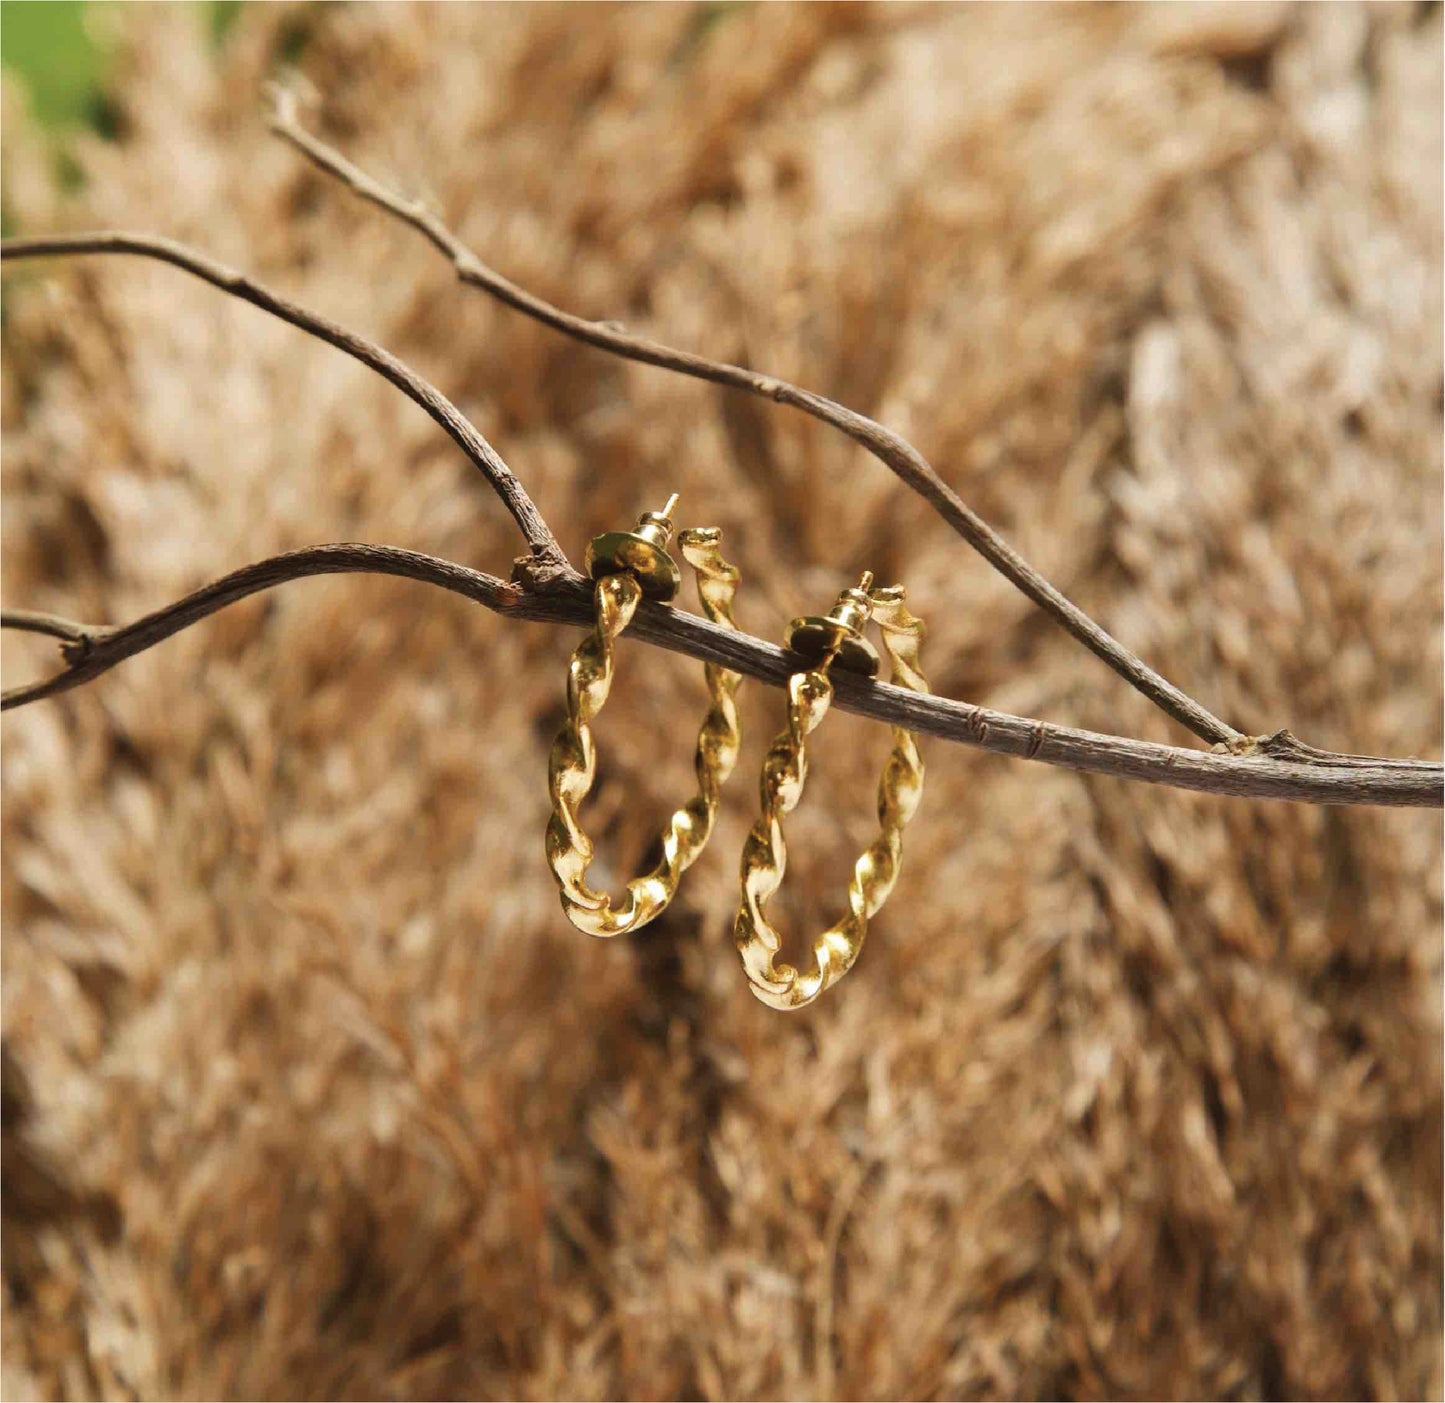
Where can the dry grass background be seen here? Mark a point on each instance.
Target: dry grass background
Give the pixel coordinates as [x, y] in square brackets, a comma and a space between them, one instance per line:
[310, 1091]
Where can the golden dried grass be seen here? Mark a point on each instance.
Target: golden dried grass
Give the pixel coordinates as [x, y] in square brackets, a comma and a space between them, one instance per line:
[310, 1089]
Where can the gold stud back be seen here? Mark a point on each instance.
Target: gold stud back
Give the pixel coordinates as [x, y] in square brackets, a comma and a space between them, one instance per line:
[641, 553]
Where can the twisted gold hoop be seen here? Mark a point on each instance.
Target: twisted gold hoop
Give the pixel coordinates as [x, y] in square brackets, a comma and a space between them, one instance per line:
[629, 566]
[785, 771]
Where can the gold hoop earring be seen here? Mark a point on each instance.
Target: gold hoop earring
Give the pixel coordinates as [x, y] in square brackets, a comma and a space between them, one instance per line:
[837, 641]
[629, 566]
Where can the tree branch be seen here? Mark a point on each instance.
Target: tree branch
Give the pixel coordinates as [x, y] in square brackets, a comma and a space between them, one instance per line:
[563, 596]
[540, 540]
[895, 452]
[546, 587]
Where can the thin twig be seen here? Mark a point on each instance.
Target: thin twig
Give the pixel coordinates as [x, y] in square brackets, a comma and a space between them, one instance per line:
[564, 597]
[29, 621]
[540, 540]
[888, 447]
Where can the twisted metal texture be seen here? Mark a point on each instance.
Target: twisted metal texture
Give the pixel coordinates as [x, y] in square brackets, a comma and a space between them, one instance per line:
[572, 761]
[785, 771]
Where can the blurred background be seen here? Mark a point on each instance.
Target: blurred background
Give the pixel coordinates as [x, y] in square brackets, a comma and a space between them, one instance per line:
[309, 1088]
